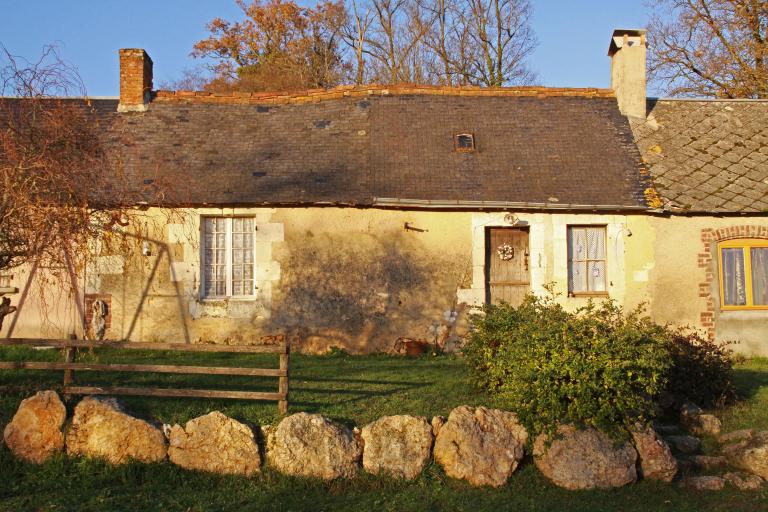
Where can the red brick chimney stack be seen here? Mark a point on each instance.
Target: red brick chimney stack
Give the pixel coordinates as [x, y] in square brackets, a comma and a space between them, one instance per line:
[135, 80]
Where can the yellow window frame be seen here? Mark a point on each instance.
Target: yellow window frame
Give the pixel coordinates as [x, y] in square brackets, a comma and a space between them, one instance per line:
[745, 244]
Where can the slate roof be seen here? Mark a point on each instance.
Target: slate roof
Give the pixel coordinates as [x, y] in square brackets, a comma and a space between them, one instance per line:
[707, 155]
[536, 148]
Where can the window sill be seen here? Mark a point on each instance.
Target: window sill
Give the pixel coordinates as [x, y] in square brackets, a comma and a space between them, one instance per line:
[576, 295]
[213, 300]
[744, 308]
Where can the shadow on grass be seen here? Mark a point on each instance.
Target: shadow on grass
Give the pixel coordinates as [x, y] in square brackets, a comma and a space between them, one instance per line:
[749, 382]
[350, 395]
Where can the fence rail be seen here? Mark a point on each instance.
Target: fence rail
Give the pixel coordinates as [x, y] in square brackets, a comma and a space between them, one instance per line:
[69, 367]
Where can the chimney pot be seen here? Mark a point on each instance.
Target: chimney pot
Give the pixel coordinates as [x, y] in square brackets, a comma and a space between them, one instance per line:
[135, 80]
[628, 51]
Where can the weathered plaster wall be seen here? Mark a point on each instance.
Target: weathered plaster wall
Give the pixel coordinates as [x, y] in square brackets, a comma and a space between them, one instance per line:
[630, 242]
[354, 278]
[50, 309]
[684, 282]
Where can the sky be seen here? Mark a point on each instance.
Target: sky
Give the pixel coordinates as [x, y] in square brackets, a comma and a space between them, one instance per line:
[573, 35]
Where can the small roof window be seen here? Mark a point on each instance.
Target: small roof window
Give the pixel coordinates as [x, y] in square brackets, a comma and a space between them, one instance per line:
[464, 142]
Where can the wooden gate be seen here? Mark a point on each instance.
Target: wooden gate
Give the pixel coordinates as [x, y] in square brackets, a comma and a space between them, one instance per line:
[507, 277]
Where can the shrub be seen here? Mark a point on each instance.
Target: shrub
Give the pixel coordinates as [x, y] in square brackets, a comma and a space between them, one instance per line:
[702, 370]
[596, 367]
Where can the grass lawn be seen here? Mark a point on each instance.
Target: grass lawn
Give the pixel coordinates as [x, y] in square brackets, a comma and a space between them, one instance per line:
[352, 390]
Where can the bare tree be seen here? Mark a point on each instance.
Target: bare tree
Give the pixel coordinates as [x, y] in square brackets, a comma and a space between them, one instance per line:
[355, 34]
[192, 79]
[716, 48]
[501, 40]
[279, 45]
[59, 187]
[451, 40]
[394, 42]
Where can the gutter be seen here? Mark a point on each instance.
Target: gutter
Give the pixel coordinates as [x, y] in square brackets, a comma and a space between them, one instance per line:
[500, 205]
[711, 100]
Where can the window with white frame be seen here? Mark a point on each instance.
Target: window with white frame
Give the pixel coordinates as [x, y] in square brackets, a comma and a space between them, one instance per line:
[228, 263]
[586, 260]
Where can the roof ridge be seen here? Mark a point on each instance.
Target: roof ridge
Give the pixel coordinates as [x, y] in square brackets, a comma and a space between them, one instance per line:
[344, 91]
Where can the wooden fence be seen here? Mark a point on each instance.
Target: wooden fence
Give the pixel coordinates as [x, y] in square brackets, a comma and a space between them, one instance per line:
[69, 366]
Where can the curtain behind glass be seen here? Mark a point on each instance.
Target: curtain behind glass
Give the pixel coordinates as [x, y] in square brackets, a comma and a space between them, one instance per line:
[759, 256]
[734, 288]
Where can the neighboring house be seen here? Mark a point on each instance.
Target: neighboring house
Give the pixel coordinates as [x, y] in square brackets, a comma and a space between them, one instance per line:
[355, 216]
[709, 162]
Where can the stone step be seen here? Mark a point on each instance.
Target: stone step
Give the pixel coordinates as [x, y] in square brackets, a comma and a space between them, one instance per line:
[665, 430]
[736, 435]
[703, 483]
[708, 461]
[744, 481]
[688, 445]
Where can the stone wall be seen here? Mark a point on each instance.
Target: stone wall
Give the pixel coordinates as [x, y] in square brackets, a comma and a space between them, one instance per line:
[481, 446]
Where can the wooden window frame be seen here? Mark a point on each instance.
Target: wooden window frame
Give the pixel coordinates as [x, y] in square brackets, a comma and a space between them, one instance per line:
[228, 256]
[568, 229]
[745, 244]
[458, 149]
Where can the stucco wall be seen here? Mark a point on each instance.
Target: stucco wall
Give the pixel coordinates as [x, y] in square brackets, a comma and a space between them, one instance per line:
[685, 286]
[324, 276]
[629, 248]
[356, 278]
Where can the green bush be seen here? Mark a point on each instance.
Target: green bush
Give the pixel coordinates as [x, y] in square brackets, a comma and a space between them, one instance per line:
[596, 367]
[702, 370]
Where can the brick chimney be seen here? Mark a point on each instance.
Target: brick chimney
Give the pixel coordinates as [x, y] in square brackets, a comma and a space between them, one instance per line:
[628, 52]
[135, 80]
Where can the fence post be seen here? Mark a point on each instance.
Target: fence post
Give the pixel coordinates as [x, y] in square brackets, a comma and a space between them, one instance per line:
[285, 356]
[69, 357]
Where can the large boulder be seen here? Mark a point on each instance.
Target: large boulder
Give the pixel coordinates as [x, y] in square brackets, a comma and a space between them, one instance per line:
[101, 429]
[750, 454]
[482, 446]
[585, 459]
[34, 433]
[215, 443]
[437, 423]
[656, 459]
[397, 445]
[310, 445]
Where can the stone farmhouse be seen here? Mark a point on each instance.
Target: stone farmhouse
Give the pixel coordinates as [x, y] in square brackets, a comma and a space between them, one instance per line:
[355, 216]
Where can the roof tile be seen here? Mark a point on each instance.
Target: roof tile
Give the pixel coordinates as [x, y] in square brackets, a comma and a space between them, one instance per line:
[724, 167]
